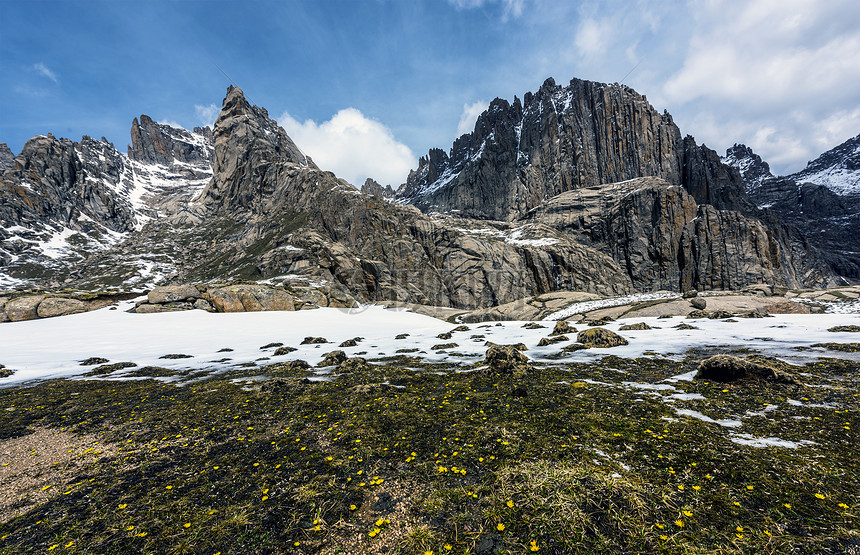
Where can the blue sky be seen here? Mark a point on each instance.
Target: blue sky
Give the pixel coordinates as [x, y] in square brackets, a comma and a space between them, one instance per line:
[365, 87]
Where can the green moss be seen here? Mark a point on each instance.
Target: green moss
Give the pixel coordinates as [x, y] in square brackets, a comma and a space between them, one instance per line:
[574, 466]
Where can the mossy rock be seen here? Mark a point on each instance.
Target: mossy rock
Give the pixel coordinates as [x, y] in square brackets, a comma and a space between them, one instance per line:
[843, 347]
[175, 356]
[108, 368]
[460, 328]
[92, 361]
[683, 326]
[446, 335]
[552, 340]
[517, 346]
[270, 346]
[314, 340]
[533, 326]
[333, 358]
[852, 329]
[440, 346]
[351, 342]
[637, 326]
[600, 338]
[727, 368]
[281, 351]
[562, 327]
[401, 336]
[5, 372]
[506, 360]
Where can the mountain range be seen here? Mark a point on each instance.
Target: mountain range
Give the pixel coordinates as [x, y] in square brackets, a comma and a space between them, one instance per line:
[580, 187]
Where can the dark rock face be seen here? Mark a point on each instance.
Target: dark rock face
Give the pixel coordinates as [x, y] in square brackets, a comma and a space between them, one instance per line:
[560, 139]
[58, 180]
[155, 143]
[664, 240]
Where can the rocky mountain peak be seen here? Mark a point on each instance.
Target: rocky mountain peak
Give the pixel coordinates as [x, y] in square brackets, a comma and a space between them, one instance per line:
[838, 169]
[560, 139]
[7, 159]
[372, 188]
[249, 148]
[752, 168]
[157, 143]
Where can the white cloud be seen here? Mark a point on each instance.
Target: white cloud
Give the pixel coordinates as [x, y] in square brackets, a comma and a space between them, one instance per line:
[779, 75]
[592, 36]
[170, 123]
[353, 146]
[43, 70]
[470, 116]
[207, 114]
[510, 8]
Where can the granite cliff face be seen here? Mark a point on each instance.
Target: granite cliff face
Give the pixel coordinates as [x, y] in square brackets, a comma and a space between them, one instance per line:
[560, 139]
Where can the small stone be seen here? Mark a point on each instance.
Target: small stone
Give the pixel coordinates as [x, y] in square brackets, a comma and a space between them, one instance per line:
[280, 351]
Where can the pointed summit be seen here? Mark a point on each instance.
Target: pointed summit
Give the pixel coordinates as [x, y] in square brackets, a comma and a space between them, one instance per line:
[247, 139]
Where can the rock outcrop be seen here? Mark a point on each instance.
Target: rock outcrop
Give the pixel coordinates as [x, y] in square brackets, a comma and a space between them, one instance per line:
[374, 189]
[155, 143]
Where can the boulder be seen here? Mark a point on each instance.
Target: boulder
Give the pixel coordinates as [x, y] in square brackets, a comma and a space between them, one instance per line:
[506, 359]
[313, 340]
[352, 364]
[52, 306]
[333, 358]
[552, 339]
[727, 368]
[690, 293]
[600, 338]
[23, 308]
[636, 326]
[698, 303]
[172, 293]
[203, 304]
[562, 327]
[249, 298]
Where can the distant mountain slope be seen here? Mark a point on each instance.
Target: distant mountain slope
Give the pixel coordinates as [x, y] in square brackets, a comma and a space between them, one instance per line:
[61, 200]
[838, 169]
[822, 201]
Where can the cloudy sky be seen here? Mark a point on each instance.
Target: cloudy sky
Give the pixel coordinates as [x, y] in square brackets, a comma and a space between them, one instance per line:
[365, 87]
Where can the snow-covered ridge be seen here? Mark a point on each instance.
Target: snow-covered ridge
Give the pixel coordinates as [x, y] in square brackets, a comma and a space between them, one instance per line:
[838, 169]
